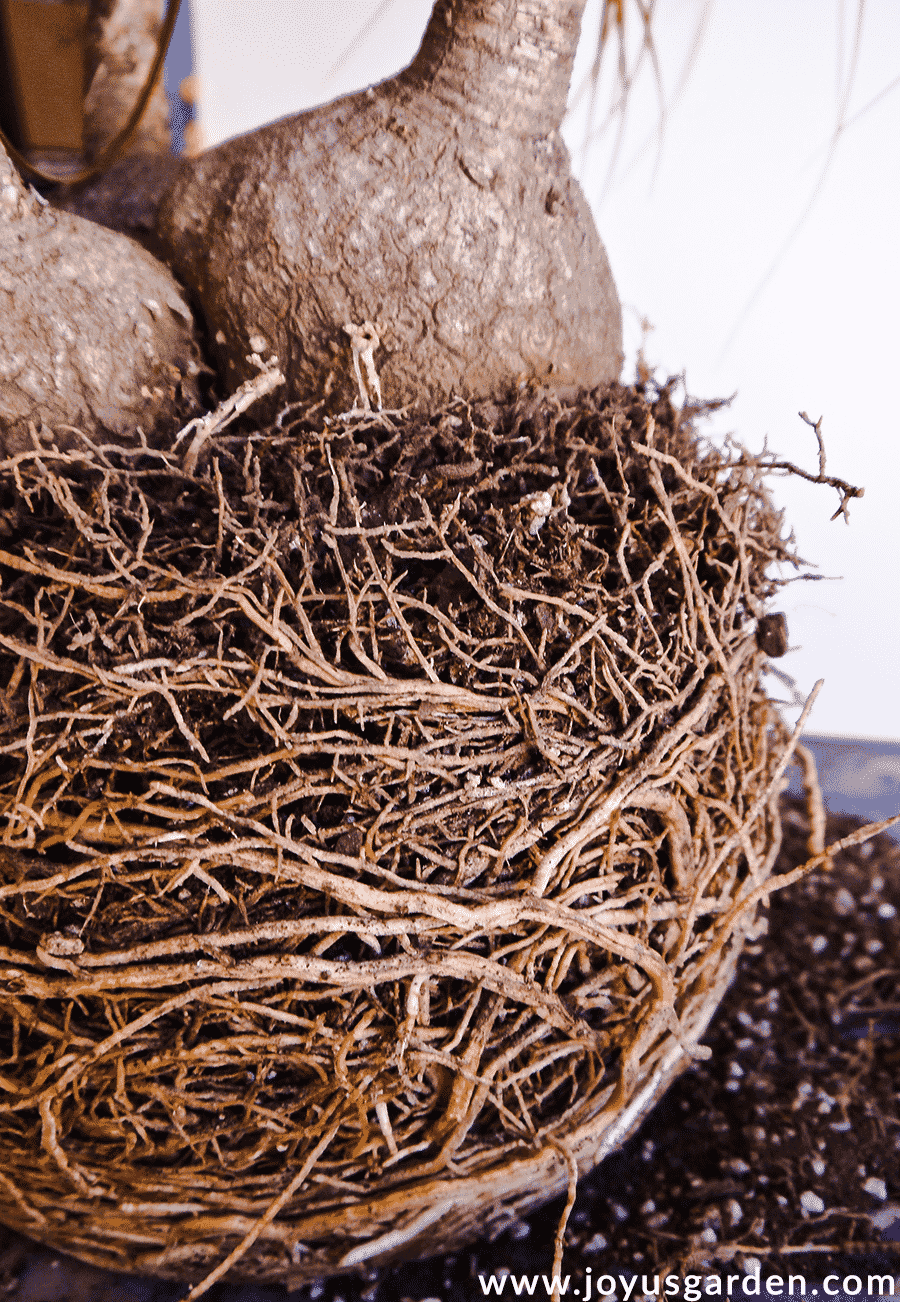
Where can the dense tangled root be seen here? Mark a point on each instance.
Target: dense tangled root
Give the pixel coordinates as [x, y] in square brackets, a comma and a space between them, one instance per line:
[379, 800]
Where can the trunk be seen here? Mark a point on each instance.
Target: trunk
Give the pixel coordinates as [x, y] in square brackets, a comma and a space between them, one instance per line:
[123, 36]
[504, 64]
[122, 42]
[438, 207]
[94, 332]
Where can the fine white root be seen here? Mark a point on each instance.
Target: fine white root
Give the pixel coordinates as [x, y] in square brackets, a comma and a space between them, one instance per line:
[364, 340]
[384, 1123]
[204, 427]
[397, 1238]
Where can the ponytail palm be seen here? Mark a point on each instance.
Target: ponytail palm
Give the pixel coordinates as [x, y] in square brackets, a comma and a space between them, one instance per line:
[439, 205]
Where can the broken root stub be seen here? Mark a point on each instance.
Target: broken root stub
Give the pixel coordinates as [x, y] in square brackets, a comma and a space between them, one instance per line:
[377, 798]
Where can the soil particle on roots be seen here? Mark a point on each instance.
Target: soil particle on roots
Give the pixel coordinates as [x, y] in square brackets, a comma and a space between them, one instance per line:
[779, 1153]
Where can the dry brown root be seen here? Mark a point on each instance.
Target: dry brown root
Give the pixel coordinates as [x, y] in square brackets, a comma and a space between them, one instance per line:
[384, 801]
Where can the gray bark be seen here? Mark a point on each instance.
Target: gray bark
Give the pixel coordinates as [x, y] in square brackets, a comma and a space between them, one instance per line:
[122, 42]
[504, 64]
[94, 332]
[439, 205]
[123, 36]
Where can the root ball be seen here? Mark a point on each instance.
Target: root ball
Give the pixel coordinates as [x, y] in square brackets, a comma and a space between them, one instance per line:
[377, 799]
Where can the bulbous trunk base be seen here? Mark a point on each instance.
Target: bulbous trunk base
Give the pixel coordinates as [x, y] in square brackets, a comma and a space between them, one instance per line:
[475, 256]
[94, 332]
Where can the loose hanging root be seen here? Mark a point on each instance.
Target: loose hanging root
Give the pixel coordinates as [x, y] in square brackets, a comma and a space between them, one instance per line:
[361, 833]
[571, 1191]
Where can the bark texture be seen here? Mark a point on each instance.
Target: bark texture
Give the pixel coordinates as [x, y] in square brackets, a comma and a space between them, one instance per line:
[122, 41]
[126, 198]
[123, 36]
[94, 332]
[439, 205]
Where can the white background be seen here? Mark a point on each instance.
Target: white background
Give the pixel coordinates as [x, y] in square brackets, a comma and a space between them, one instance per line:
[761, 244]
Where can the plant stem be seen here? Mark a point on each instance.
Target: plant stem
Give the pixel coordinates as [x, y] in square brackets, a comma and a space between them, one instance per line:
[122, 38]
[505, 64]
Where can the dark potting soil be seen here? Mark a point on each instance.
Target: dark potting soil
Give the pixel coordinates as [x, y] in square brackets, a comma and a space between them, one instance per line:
[781, 1153]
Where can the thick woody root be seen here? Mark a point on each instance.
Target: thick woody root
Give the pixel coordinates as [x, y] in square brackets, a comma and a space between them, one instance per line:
[380, 795]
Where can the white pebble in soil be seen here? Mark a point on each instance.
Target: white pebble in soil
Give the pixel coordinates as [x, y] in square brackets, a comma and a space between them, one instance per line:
[876, 1187]
[844, 902]
[826, 1102]
[597, 1244]
[811, 1203]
